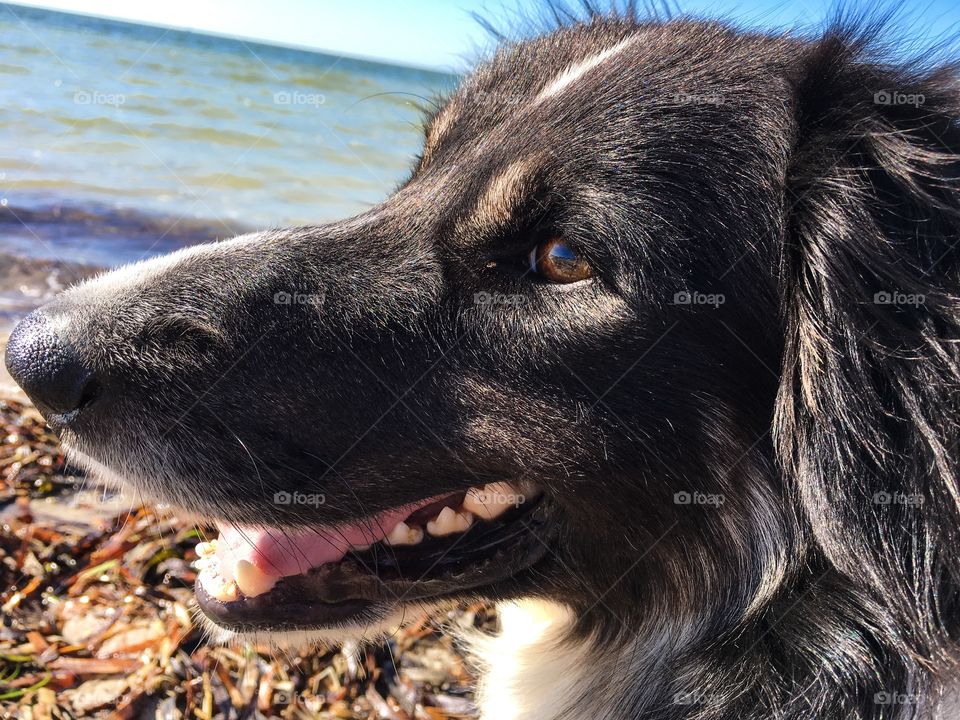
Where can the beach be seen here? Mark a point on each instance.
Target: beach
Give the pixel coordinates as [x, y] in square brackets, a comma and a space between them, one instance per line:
[122, 143]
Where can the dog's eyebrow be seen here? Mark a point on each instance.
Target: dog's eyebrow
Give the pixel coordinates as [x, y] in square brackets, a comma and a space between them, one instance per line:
[571, 73]
[438, 127]
[498, 201]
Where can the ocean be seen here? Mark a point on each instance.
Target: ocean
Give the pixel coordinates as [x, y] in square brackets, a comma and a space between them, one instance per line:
[123, 141]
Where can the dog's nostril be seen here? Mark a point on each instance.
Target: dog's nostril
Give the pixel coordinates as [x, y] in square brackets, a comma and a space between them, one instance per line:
[47, 367]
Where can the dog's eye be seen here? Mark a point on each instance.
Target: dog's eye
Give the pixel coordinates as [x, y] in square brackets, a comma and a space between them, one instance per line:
[557, 262]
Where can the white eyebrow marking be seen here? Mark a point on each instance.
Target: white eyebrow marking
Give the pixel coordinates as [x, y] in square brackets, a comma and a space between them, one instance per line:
[575, 71]
[495, 205]
[440, 125]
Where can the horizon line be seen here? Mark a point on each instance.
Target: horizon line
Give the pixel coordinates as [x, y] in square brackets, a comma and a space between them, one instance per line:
[437, 70]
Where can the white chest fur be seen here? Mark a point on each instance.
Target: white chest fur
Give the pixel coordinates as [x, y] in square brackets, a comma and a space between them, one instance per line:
[531, 672]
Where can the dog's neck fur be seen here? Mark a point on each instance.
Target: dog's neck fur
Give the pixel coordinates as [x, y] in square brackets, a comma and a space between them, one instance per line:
[534, 669]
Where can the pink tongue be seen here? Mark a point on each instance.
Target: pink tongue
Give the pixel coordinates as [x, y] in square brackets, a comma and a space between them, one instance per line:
[292, 552]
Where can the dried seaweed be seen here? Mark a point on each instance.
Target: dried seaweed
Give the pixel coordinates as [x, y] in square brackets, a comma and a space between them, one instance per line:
[97, 618]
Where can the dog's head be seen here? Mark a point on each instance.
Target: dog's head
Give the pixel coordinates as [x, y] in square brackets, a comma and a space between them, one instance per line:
[659, 313]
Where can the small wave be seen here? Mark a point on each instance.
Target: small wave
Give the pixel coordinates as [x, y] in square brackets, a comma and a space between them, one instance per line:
[214, 135]
[225, 180]
[13, 69]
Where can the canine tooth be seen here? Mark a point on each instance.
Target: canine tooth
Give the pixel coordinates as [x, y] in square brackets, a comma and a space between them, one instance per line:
[251, 580]
[206, 549]
[359, 548]
[489, 503]
[505, 489]
[528, 491]
[449, 521]
[404, 534]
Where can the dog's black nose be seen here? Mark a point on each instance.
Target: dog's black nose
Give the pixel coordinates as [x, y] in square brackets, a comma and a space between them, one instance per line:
[45, 365]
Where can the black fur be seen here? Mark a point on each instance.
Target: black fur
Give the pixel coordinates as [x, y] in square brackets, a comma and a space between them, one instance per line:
[817, 569]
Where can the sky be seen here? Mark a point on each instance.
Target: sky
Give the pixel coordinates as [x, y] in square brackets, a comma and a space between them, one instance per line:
[435, 33]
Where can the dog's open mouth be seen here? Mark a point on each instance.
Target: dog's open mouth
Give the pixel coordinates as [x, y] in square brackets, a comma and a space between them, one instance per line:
[257, 578]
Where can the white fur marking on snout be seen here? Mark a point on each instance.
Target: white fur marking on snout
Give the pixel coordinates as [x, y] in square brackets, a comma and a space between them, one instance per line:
[572, 73]
[133, 276]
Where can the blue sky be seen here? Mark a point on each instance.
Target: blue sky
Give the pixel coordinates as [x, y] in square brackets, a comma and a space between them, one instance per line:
[433, 33]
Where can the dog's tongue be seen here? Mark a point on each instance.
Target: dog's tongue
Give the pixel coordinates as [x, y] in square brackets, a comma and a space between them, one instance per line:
[292, 552]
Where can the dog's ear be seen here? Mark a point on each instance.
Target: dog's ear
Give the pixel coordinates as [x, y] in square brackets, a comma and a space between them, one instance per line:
[867, 415]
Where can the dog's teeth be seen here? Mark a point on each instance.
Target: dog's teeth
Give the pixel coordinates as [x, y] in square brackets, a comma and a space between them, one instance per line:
[207, 549]
[225, 591]
[491, 502]
[251, 580]
[404, 534]
[449, 521]
[359, 548]
[527, 491]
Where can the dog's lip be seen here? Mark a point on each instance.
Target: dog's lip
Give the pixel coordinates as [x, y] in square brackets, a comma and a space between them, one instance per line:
[367, 585]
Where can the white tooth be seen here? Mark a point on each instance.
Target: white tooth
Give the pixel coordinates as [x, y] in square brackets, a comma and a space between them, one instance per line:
[404, 534]
[251, 580]
[449, 521]
[225, 592]
[442, 524]
[488, 503]
[206, 549]
[528, 491]
[505, 490]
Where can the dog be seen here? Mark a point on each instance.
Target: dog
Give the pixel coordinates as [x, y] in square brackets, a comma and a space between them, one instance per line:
[656, 348]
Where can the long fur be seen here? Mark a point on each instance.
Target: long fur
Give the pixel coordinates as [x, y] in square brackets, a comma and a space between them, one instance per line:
[745, 426]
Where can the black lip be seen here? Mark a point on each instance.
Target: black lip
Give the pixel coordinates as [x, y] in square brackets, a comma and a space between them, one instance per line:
[365, 587]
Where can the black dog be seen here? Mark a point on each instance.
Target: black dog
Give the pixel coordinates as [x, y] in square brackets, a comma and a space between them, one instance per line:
[657, 347]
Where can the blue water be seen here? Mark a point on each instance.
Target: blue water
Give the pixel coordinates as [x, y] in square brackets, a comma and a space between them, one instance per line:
[121, 141]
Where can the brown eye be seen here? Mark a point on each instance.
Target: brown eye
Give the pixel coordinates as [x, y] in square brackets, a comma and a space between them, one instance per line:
[558, 262]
